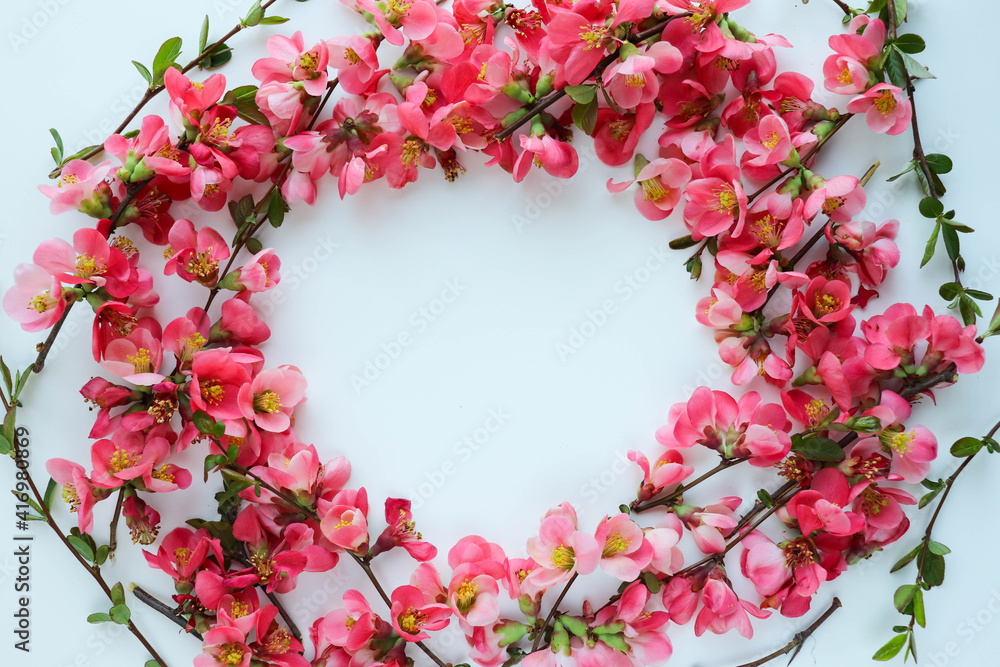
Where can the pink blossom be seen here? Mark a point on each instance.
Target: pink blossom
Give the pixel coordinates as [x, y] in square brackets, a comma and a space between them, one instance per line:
[473, 596]
[661, 183]
[355, 60]
[417, 18]
[710, 525]
[412, 618]
[401, 532]
[79, 189]
[344, 521]
[195, 255]
[885, 107]
[557, 158]
[723, 610]
[223, 647]
[90, 260]
[664, 538]
[667, 472]
[291, 61]
[78, 491]
[821, 507]
[35, 300]
[562, 551]
[840, 198]
[624, 549]
[716, 202]
[847, 71]
[142, 520]
[216, 380]
[135, 358]
[189, 100]
[269, 400]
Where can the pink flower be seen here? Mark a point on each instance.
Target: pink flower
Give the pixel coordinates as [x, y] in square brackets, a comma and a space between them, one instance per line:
[667, 472]
[224, 647]
[663, 538]
[624, 549]
[561, 550]
[183, 552]
[911, 450]
[846, 72]
[632, 78]
[716, 202]
[142, 520]
[240, 324]
[840, 198]
[821, 507]
[135, 358]
[580, 37]
[417, 17]
[189, 100]
[661, 183]
[80, 188]
[412, 617]
[78, 491]
[473, 596]
[116, 463]
[269, 400]
[344, 521]
[216, 380]
[151, 152]
[825, 301]
[873, 248]
[351, 627]
[355, 60]
[723, 610]
[290, 61]
[90, 260]
[195, 255]
[557, 158]
[710, 525]
[401, 532]
[35, 300]
[768, 144]
[885, 107]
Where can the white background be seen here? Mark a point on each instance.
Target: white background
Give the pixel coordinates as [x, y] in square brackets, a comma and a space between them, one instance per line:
[524, 289]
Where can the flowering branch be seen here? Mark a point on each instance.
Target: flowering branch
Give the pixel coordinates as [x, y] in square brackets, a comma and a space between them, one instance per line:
[174, 615]
[799, 639]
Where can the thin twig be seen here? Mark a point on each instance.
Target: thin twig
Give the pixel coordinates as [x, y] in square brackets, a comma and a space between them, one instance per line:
[552, 613]
[294, 629]
[173, 614]
[799, 639]
[844, 7]
[113, 539]
[680, 490]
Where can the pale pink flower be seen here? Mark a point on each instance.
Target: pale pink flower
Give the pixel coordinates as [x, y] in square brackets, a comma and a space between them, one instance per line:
[886, 108]
[269, 400]
[624, 549]
[79, 189]
[412, 617]
[291, 61]
[557, 158]
[35, 301]
[723, 610]
[562, 551]
[661, 182]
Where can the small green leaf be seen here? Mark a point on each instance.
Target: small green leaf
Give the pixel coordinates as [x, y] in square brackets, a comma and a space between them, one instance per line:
[949, 291]
[254, 16]
[931, 245]
[585, 116]
[581, 94]
[891, 649]
[50, 493]
[118, 594]
[977, 294]
[895, 69]
[152, 663]
[120, 614]
[765, 498]
[59, 145]
[930, 207]
[819, 449]
[951, 242]
[932, 569]
[254, 245]
[918, 608]
[964, 447]
[205, 424]
[939, 164]
[273, 20]
[651, 582]
[5, 446]
[165, 57]
[904, 596]
[102, 554]
[910, 43]
[928, 497]
[81, 547]
[276, 209]
[938, 548]
[203, 37]
[913, 68]
[99, 618]
[143, 72]
[906, 560]
[910, 167]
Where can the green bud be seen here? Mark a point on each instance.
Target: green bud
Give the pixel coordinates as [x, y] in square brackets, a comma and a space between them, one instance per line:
[544, 85]
[511, 632]
[574, 625]
[617, 642]
[229, 281]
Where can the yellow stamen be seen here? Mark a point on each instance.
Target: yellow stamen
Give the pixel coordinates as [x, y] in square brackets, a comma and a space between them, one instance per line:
[615, 544]
[885, 102]
[563, 557]
[121, 459]
[267, 401]
[141, 361]
[466, 595]
[231, 654]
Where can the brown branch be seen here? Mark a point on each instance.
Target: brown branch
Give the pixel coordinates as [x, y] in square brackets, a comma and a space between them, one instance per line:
[552, 613]
[799, 639]
[113, 530]
[680, 490]
[173, 614]
[844, 7]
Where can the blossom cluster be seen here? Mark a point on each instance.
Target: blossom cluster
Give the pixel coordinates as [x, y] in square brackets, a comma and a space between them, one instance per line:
[510, 83]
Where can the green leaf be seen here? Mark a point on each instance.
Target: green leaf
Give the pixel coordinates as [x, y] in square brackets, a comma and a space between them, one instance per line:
[931, 245]
[949, 291]
[903, 596]
[9, 423]
[651, 582]
[254, 245]
[205, 424]
[939, 164]
[165, 57]
[5, 446]
[964, 447]
[951, 242]
[930, 207]
[99, 618]
[120, 614]
[203, 37]
[891, 649]
[50, 493]
[968, 308]
[911, 167]
[900, 12]
[918, 608]
[938, 548]
[143, 72]
[928, 497]
[910, 43]
[585, 116]
[273, 20]
[219, 55]
[152, 663]
[58, 140]
[932, 569]
[276, 208]
[81, 547]
[913, 68]
[977, 294]
[895, 70]
[102, 554]
[906, 560]
[765, 498]
[254, 17]
[118, 594]
[819, 449]
[581, 94]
